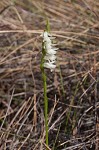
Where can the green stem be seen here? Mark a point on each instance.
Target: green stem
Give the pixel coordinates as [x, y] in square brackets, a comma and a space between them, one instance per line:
[46, 105]
[44, 77]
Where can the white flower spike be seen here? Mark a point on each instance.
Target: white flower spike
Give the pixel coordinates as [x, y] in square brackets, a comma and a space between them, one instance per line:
[50, 58]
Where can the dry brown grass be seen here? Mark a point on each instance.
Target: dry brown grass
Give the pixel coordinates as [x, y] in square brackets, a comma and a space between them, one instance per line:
[73, 89]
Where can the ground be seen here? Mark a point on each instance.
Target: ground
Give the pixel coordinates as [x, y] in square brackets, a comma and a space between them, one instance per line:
[72, 89]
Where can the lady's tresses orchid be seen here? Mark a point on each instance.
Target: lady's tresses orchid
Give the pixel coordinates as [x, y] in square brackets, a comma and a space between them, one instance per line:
[50, 57]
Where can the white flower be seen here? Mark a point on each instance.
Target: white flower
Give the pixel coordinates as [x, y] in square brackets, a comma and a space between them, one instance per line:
[50, 65]
[50, 51]
[50, 58]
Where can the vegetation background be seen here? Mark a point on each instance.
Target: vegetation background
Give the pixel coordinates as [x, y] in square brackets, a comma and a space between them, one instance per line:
[73, 89]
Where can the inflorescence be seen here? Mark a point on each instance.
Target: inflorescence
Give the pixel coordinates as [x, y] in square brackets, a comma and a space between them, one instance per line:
[50, 49]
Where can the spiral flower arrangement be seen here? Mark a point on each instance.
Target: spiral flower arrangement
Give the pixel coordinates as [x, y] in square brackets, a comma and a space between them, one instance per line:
[48, 60]
[50, 49]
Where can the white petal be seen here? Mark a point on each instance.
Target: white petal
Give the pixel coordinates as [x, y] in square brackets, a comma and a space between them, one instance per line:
[52, 38]
[48, 46]
[45, 34]
[51, 52]
[49, 65]
[54, 49]
[54, 44]
[47, 40]
[50, 57]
